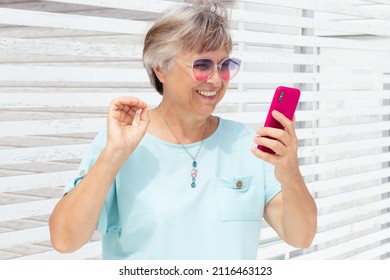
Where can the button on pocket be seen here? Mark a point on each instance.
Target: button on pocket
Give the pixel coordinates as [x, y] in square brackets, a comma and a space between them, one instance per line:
[238, 199]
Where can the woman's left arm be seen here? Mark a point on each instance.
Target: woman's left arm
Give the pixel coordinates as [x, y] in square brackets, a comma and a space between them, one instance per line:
[292, 212]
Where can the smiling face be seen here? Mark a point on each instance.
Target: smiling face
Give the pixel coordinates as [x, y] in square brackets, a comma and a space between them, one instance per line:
[195, 29]
[182, 91]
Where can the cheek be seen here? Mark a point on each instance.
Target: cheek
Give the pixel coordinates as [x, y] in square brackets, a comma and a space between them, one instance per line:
[179, 82]
[223, 89]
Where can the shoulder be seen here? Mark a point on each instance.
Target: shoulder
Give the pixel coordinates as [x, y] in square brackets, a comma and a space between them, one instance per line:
[235, 134]
[238, 128]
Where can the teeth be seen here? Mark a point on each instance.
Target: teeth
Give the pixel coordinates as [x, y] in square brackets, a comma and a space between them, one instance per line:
[207, 93]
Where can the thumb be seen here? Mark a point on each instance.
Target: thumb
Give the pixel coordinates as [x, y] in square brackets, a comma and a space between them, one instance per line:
[144, 119]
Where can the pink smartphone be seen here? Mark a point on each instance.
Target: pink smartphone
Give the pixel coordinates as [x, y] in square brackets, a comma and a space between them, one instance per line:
[285, 101]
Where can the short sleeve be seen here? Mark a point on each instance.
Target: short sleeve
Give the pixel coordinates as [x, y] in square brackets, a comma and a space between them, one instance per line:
[89, 159]
[93, 152]
[272, 186]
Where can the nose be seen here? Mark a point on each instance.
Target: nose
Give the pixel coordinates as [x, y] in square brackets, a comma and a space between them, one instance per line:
[215, 77]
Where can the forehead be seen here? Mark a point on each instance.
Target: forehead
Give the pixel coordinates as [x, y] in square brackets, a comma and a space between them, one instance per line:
[216, 55]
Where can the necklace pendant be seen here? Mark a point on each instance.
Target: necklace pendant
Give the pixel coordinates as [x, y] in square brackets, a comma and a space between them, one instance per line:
[194, 170]
[194, 174]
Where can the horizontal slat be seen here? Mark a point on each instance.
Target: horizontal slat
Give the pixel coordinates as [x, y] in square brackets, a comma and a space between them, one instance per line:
[90, 250]
[35, 181]
[27, 210]
[256, 117]
[351, 196]
[31, 32]
[346, 180]
[341, 130]
[327, 113]
[326, 150]
[68, 21]
[253, 37]
[268, 233]
[150, 6]
[65, 48]
[341, 113]
[347, 8]
[23, 237]
[333, 218]
[46, 127]
[370, 60]
[371, 254]
[274, 250]
[327, 95]
[344, 8]
[337, 165]
[250, 77]
[69, 99]
[71, 74]
[51, 153]
[348, 246]
[344, 231]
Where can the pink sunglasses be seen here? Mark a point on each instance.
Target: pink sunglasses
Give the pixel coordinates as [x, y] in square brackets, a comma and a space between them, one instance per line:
[204, 68]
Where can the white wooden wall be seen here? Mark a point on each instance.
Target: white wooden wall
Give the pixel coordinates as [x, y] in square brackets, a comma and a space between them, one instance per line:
[61, 62]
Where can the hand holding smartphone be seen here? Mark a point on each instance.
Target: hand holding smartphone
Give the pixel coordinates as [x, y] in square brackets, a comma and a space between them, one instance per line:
[285, 101]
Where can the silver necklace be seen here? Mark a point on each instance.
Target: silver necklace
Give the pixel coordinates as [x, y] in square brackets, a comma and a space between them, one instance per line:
[194, 169]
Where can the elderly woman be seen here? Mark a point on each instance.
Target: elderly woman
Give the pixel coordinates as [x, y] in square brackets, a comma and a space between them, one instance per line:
[177, 182]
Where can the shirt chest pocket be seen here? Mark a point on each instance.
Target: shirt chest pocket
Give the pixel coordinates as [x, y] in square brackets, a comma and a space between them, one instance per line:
[238, 200]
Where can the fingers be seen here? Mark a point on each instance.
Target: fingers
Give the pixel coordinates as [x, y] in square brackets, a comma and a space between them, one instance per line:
[285, 122]
[144, 119]
[281, 141]
[275, 145]
[272, 159]
[127, 104]
[124, 129]
[124, 108]
[285, 145]
[284, 135]
[269, 133]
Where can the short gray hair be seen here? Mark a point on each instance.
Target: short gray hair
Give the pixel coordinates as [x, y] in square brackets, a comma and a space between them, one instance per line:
[202, 26]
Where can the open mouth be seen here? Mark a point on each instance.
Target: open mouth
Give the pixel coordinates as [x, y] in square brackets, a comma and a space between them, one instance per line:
[206, 93]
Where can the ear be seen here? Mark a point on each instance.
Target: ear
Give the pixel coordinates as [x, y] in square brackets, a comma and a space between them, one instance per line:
[160, 74]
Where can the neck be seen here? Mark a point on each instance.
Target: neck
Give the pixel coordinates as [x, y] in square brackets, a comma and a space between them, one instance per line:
[182, 128]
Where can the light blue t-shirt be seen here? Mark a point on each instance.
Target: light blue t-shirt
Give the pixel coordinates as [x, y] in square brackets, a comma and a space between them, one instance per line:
[152, 212]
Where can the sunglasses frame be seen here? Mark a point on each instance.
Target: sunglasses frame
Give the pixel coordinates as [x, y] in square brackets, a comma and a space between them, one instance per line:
[237, 61]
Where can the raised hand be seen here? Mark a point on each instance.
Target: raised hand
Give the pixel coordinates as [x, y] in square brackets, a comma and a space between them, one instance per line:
[285, 146]
[123, 135]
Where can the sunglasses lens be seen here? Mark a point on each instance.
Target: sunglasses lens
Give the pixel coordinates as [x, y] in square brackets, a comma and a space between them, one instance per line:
[229, 68]
[202, 69]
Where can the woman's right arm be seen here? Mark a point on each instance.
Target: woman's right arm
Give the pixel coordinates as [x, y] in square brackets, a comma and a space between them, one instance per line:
[75, 217]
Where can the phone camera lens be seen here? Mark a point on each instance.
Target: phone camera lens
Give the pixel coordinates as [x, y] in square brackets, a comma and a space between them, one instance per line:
[281, 96]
